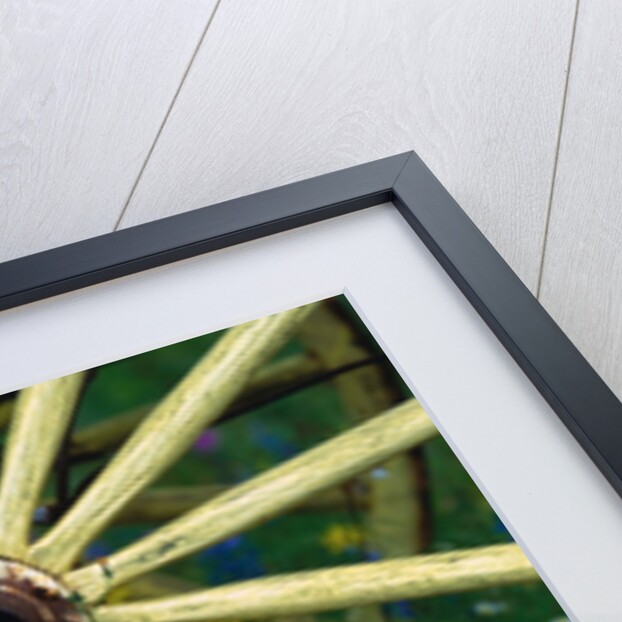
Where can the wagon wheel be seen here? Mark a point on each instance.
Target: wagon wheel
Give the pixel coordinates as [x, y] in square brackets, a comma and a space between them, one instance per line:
[46, 581]
[391, 503]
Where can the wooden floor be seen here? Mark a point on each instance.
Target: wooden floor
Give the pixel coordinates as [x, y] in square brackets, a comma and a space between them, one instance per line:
[113, 114]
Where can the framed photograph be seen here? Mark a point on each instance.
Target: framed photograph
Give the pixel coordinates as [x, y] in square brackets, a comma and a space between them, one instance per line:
[329, 400]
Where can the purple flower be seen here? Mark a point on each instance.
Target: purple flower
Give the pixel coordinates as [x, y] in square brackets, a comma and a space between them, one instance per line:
[207, 442]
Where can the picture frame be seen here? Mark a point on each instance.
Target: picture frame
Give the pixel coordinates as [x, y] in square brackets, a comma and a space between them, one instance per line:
[572, 388]
[414, 201]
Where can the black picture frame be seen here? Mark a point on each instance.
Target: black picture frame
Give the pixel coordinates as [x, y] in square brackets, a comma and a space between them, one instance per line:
[572, 388]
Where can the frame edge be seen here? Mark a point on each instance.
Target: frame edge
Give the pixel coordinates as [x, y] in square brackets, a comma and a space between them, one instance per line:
[561, 374]
[153, 244]
[557, 369]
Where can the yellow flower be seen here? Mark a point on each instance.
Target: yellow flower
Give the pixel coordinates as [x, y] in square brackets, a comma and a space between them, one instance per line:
[338, 538]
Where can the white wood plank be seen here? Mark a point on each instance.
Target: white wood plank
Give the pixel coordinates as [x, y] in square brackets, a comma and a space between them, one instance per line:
[84, 87]
[582, 272]
[281, 91]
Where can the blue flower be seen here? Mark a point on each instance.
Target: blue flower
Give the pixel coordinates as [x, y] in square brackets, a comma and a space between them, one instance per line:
[232, 560]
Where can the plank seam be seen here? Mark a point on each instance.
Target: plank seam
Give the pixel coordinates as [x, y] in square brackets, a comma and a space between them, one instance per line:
[547, 218]
[166, 115]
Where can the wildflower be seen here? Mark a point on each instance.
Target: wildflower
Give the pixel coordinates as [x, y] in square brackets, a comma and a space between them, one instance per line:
[340, 538]
[207, 442]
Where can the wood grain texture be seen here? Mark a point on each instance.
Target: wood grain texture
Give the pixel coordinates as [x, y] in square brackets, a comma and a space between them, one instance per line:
[336, 588]
[196, 401]
[259, 498]
[84, 87]
[109, 434]
[280, 92]
[164, 504]
[42, 414]
[582, 271]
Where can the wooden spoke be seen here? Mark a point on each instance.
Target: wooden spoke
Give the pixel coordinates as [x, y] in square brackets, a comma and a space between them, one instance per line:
[158, 505]
[40, 418]
[271, 379]
[337, 588]
[164, 504]
[278, 376]
[107, 434]
[261, 497]
[157, 585]
[200, 398]
[151, 585]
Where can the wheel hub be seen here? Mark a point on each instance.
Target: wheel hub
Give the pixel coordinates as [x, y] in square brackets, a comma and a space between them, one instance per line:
[30, 595]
